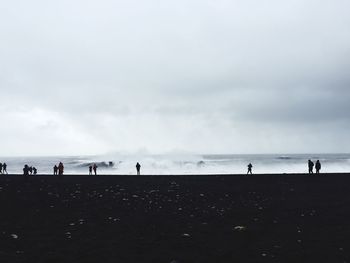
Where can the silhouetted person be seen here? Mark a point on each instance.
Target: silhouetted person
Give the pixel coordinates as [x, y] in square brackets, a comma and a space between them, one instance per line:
[90, 170]
[31, 170]
[95, 168]
[35, 171]
[250, 166]
[0, 168]
[55, 170]
[311, 167]
[26, 170]
[138, 168]
[318, 166]
[60, 168]
[4, 168]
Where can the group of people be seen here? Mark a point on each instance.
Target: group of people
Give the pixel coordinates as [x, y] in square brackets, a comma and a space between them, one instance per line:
[58, 169]
[311, 166]
[3, 168]
[29, 170]
[93, 167]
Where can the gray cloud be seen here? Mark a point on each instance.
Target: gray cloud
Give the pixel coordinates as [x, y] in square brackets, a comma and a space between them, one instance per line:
[82, 77]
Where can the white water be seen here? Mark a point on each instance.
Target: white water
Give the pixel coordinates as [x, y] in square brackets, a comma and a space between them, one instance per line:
[184, 164]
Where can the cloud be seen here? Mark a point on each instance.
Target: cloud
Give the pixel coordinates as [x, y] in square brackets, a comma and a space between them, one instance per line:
[88, 77]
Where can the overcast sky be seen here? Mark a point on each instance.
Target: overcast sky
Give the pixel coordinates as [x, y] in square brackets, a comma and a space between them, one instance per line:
[160, 76]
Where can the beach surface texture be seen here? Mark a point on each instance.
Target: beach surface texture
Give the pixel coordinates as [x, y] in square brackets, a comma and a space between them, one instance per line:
[258, 218]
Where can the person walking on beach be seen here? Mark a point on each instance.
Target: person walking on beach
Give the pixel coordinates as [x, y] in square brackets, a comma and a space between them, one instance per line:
[95, 169]
[311, 167]
[0, 168]
[90, 170]
[250, 166]
[138, 168]
[35, 171]
[318, 166]
[4, 168]
[60, 168]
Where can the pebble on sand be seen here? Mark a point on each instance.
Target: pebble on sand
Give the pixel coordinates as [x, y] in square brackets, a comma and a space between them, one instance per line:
[240, 228]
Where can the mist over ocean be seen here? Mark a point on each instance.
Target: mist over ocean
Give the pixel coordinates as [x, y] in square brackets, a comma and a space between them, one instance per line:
[183, 164]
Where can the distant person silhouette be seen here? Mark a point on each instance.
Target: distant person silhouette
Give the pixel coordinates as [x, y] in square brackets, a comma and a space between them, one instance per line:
[250, 166]
[60, 168]
[311, 166]
[0, 168]
[31, 170]
[35, 171]
[55, 170]
[4, 168]
[318, 166]
[26, 170]
[90, 170]
[95, 168]
[138, 168]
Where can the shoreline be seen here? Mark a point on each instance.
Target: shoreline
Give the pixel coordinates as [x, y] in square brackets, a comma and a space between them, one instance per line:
[185, 175]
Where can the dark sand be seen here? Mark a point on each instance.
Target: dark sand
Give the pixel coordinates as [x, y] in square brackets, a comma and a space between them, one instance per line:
[284, 218]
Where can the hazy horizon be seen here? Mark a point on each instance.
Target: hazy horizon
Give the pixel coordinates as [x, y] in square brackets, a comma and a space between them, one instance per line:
[171, 154]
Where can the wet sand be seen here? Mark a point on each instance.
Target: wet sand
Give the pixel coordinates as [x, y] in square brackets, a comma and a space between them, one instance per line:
[259, 218]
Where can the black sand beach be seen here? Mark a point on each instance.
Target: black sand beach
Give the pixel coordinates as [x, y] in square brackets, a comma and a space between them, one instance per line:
[259, 218]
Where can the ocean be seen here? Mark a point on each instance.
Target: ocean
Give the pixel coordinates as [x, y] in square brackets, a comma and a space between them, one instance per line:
[182, 164]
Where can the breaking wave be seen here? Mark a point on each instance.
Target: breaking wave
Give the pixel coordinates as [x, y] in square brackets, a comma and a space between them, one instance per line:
[183, 164]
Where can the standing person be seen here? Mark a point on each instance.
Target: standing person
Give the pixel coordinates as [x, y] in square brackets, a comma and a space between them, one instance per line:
[311, 166]
[60, 168]
[138, 168]
[35, 171]
[0, 168]
[4, 168]
[250, 166]
[90, 170]
[55, 169]
[318, 166]
[26, 170]
[95, 168]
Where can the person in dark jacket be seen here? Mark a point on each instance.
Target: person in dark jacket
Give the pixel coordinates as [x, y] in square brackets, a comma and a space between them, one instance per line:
[4, 168]
[318, 166]
[250, 166]
[55, 170]
[311, 166]
[95, 169]
[26, 170]
[60, 168]
[138, 168]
